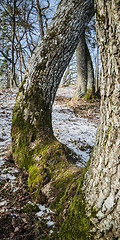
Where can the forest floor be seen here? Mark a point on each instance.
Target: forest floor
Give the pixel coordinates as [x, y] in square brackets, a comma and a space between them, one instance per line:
[75, 125]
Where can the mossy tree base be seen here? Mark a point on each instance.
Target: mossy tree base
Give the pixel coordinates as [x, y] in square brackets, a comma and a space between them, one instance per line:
[34, 145]
[53, 176]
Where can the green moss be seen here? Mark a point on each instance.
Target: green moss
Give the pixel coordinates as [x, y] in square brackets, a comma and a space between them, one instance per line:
[89, 95]
[29, 208]
[51, 34]
[65, 184]
[77, 224]
[42, 65]
[22, 134]
[49, 161]
[38, 176]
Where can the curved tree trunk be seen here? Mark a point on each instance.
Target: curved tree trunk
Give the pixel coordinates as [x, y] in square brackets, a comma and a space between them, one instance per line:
[94, 206]
[32, 112]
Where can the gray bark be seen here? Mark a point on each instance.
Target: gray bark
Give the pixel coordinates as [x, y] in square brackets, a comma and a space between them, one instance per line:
[36, 95]
[101, 185]
[81, 85]
[85, 72]
[90, 72]
[45, 69]
[97, 66]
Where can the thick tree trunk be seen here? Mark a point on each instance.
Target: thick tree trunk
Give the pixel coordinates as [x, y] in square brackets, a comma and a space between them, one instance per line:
[101, 185]
[94, 206]
[45, 69]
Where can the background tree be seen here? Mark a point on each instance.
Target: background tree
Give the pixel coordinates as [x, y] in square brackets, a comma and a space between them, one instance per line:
[81, 85]
[84, 68]
[70, 74]
[19, 32]
[85, 71]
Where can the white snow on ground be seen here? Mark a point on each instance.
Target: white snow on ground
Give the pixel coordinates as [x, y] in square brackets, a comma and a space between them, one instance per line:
[72, 130]
[46, 213]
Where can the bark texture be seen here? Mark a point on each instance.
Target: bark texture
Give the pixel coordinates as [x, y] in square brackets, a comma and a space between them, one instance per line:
[32, 112]
[101, 185]
[95, 195]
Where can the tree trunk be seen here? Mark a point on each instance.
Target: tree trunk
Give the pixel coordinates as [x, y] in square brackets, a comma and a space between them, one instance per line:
[40, 20]
[90, 73]
[97, 66]
[12, 78]
[46, 67]
[97, 197]
[85, 72]
[101, 185]
[94, 206]
[81, 84]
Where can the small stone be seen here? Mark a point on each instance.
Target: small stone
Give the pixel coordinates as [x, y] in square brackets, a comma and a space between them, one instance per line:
[16, 229]
[24, 220]
[11, 235]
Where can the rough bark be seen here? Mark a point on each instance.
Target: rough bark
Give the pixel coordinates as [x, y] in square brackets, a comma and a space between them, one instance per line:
[101, 185]
[95, 196]
[45, 69]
